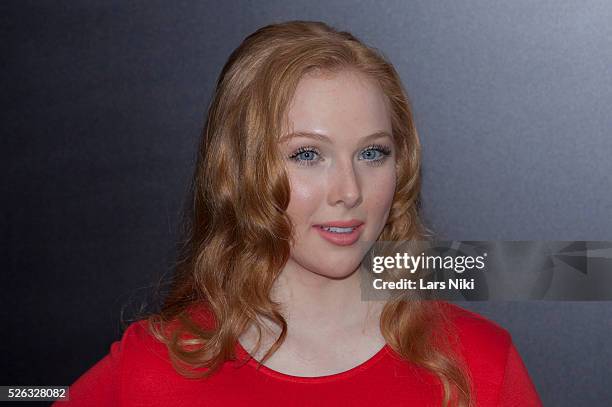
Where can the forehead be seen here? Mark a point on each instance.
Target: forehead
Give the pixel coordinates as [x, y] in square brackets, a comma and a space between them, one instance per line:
[339, 104]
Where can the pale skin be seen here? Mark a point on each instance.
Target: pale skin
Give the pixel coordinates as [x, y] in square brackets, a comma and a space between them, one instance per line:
[340, 176]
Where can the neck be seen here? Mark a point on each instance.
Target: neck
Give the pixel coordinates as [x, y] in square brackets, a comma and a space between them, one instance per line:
[313, 301]
[317, 307]
[319, 311]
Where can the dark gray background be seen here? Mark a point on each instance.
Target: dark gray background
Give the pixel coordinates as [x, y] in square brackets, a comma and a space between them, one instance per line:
[103, 103]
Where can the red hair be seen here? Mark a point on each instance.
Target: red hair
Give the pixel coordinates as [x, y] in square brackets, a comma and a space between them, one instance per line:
[238, 236]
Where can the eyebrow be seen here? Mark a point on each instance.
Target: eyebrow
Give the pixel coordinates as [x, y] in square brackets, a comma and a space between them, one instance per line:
[323, 137]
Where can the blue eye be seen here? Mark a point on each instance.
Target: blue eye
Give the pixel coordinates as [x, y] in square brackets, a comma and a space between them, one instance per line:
[376, 159]
[369, 154]
[304, 155]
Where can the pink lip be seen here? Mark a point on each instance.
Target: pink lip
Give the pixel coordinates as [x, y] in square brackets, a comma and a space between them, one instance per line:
[340, 239]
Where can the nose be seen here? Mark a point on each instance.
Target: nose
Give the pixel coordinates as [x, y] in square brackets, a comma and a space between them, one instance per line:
[344, 185]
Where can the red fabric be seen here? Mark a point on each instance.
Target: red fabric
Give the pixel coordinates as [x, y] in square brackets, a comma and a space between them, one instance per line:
[137, 372]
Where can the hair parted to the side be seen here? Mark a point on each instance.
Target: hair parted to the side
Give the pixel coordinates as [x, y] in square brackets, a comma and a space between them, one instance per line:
[238, 235]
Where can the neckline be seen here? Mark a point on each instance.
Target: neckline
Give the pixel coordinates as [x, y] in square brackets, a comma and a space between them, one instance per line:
[312, 379]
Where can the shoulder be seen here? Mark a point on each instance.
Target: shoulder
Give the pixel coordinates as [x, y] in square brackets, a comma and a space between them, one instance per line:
[474, 329]
[483, 345]
[141, 347]
[137, 363]
[490, 356]
[498, 372]
[148, 374]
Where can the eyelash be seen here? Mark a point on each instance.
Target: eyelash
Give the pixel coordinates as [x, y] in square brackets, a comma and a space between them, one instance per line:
[384, 150]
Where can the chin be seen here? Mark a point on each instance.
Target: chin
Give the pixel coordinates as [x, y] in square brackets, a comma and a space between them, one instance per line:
[337, 270]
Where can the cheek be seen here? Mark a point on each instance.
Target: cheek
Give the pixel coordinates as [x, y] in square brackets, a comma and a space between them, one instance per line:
[305, 198]
[380, 193]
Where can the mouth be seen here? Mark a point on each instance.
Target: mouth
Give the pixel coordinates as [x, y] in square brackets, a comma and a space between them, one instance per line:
[340, 235]
[337, 229]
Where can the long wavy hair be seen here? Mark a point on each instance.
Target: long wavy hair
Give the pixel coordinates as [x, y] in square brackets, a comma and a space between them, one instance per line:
[237, 235]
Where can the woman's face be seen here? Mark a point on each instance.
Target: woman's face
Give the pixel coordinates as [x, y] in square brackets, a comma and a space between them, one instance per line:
[344, 171]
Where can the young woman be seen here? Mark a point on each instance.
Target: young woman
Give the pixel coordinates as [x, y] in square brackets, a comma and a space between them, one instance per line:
[309, 152]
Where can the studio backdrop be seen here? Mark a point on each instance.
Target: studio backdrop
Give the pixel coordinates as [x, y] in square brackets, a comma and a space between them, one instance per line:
[104, 102]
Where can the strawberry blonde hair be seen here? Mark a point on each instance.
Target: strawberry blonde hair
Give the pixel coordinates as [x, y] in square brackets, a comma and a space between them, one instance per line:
[238, 235]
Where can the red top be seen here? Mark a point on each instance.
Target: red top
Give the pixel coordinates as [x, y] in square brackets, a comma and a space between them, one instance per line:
[137, 372]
